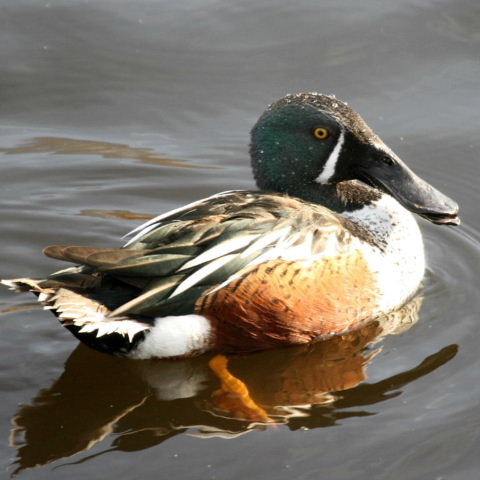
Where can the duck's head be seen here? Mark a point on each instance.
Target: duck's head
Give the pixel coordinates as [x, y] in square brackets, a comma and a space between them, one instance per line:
[306, 141]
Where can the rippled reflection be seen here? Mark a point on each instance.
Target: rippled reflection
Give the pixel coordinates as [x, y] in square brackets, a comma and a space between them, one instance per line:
[122, 214]
[146, 402]
[73, 146]
[13, 307]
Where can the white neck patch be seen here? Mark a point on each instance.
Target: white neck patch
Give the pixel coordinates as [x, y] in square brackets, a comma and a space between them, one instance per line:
[400, 264]
[329, 168]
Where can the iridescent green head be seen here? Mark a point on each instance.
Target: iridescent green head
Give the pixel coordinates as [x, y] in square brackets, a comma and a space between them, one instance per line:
[306, 143]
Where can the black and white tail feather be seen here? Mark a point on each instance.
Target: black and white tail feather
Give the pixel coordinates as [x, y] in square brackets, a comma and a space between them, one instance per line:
[85, 317]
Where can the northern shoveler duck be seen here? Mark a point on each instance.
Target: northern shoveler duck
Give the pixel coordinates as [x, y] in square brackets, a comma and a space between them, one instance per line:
[328, 242]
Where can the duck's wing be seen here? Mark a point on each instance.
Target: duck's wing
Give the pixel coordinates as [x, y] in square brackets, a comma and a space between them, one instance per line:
[176, 257]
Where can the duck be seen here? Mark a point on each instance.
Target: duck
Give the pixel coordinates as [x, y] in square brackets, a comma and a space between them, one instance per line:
[327, 243]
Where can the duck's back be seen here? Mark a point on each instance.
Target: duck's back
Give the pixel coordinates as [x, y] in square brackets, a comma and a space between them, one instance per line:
[177, 257]
[263, 269]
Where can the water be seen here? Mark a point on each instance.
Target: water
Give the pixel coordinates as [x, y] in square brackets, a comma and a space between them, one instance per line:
[115, 111]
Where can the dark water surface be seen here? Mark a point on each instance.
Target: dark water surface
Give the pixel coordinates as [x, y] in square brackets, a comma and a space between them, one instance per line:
[112, 111]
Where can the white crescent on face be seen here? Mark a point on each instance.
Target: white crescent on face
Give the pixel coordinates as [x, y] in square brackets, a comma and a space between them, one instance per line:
[329, 168]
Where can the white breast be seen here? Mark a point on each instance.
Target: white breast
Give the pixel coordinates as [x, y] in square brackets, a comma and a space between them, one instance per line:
[400, 265]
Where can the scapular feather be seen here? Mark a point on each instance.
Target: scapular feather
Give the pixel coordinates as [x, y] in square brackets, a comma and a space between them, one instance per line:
[148, 265]
[92, 256]
[215, 241]
[153, 294]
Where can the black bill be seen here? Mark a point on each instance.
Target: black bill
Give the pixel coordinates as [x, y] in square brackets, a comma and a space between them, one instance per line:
[388, 173]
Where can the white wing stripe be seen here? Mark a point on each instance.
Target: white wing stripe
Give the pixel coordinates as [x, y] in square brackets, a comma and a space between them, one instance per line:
[165, 215]
[141, 234]
[265, 240]
[220, 250]
[201, 274]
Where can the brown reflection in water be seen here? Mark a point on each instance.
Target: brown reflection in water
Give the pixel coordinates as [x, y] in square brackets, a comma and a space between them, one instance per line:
[146, 402]
[33, 306]
[123, 214]
[73, 146]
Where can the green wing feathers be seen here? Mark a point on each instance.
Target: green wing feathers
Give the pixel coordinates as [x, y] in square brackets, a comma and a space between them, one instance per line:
[175, 258]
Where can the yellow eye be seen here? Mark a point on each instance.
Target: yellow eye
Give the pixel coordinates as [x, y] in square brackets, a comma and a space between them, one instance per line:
[321, 133]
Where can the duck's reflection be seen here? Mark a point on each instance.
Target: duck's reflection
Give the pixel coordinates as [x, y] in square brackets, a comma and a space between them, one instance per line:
[146, 402]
